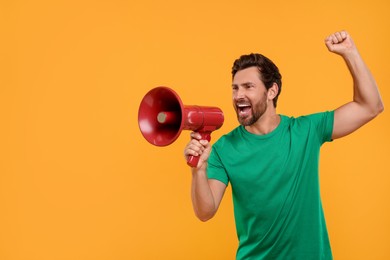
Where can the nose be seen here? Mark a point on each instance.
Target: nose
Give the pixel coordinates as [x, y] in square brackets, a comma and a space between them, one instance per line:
[238, 94]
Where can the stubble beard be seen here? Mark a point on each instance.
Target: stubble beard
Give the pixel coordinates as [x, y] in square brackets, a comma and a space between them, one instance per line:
[256, 112]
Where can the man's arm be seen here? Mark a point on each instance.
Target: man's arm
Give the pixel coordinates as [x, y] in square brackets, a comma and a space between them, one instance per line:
[206, 194]
[367, 102]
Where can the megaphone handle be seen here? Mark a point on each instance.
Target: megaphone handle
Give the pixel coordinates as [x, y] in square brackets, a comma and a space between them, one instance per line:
[193, 160]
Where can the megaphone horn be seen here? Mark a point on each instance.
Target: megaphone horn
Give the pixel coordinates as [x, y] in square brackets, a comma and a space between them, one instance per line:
[162, 116]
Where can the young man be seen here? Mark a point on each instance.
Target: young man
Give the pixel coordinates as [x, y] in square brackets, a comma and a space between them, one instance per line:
[271, 160]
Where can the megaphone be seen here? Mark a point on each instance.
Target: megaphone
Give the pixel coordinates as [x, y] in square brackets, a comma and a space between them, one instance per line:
[162, 116]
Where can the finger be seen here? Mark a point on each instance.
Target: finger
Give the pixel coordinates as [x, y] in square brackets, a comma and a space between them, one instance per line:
[195, 142]
[195, 151]
[338, 36]
[344, 34]
[330, 39]
[195, 135]
[335, 40]
[190, 152]
[194, 148]
[204, 142]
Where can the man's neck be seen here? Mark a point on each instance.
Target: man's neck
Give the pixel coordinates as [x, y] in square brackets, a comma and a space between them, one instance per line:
[265, 125]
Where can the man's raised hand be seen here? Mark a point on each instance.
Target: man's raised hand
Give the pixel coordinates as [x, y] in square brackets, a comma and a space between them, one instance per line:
[340, 43]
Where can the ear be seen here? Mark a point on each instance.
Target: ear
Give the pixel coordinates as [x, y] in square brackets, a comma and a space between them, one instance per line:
[273, 91]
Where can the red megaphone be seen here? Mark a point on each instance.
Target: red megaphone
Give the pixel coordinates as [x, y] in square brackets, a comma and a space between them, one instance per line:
[162, 116]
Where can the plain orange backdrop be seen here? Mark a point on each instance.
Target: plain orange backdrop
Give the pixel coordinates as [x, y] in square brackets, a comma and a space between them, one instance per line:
[79, 182]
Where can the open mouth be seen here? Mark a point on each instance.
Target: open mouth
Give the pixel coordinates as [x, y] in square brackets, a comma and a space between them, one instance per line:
[243, 109]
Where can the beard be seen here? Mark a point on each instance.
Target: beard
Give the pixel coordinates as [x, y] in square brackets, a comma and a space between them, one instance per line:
[254, 112]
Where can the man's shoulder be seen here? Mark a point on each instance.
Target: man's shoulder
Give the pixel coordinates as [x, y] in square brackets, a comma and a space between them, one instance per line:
[320, 124]
[308, 117]
[229, 137]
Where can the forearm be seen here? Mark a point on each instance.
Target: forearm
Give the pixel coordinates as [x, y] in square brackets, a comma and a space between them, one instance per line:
[201, 194]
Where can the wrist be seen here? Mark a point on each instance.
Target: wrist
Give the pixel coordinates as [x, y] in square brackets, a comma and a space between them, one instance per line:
[199, 171]
[350, 55]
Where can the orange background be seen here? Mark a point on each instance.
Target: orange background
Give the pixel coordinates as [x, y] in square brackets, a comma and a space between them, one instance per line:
[77, 179]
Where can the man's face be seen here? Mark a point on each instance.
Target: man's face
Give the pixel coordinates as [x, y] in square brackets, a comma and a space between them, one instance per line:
[249, 96]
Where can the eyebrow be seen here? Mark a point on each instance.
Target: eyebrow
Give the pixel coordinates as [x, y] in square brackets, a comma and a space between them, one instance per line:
[243, 84]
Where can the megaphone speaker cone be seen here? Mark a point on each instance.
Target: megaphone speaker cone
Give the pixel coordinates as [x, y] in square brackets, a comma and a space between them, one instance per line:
[160, 116]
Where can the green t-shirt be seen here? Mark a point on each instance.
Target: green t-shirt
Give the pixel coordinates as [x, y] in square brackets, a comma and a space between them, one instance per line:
[275, 187]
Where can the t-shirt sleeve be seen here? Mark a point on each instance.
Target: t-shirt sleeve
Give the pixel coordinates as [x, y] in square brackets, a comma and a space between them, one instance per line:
[328, 126]
[215, 168]
[324, 123]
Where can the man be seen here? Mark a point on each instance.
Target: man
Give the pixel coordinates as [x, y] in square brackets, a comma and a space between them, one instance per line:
[271, 160]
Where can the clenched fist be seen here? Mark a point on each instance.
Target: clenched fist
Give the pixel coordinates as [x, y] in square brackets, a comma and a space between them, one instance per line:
[340, 43]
